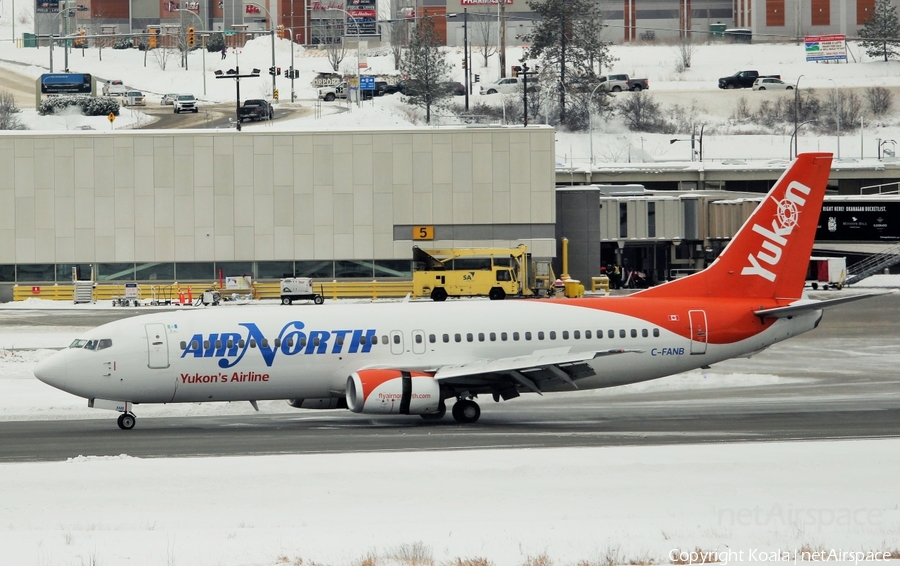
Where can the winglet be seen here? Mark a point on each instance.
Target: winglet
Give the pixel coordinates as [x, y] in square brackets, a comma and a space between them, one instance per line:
[769, 256]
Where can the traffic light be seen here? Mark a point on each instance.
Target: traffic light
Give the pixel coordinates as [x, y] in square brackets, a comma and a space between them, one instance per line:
[191, 38]
[272, 71]
[151, 41]
[287, 73]
[277, 71]
[464, 63]
[477, 78]
[80, 42]
[516, 69]
[275, 94]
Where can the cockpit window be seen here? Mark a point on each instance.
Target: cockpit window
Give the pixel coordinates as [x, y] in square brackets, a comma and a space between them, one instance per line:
[79, 343]
[91, 345]
[104, 343]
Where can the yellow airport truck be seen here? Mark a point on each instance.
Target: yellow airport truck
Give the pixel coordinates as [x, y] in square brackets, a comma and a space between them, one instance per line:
[471, 272]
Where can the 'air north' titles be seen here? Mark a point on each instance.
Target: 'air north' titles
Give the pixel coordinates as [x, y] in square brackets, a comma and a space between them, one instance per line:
[230, 347]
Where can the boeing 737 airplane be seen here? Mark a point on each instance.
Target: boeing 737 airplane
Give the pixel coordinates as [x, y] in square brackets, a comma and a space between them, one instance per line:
[410, 358]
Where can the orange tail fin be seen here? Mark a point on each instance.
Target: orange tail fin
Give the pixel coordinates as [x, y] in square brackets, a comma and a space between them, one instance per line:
[769, 255]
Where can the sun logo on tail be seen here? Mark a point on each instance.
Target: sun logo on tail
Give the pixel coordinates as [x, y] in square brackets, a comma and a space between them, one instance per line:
[788, 214]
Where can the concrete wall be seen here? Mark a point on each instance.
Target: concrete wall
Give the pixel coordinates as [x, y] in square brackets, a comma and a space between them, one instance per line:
[87, 197]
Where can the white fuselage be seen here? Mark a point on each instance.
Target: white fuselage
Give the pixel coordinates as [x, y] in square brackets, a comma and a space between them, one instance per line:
[269, 352]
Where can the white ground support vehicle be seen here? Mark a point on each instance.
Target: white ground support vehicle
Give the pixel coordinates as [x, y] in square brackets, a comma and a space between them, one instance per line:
[299, 289]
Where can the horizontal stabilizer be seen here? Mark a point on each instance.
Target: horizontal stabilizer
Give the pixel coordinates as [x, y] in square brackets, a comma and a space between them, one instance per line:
[794, 310]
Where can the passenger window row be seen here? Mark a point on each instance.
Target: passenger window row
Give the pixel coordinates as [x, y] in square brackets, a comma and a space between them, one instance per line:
[417, 338]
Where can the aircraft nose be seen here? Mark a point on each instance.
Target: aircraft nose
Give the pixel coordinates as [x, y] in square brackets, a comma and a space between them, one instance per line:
[53, 370]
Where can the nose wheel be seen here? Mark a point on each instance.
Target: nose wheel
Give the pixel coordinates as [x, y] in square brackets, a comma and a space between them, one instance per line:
[126, 421]
[466, 411]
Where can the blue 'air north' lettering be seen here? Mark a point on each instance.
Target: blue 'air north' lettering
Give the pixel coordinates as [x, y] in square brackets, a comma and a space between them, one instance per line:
[292, 340]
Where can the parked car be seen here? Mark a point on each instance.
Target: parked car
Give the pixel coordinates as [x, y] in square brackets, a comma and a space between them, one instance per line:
[508, 85]
[455, 88]
[168, 99]
[743, 79]
[134, 98]
[114, 87]
[329, 93]
[771, 84]
[407, 87]
[256, 109]
[618, 83]
[383, 87]
[185, 103]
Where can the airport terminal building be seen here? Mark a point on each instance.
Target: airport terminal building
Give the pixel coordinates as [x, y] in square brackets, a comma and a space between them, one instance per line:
[183, 205]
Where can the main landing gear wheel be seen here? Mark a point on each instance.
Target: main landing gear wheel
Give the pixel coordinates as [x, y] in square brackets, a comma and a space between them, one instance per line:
[126, 421]
[465, 411]
[442, 410]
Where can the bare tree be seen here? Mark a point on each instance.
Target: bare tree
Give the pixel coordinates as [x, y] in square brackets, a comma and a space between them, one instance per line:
[165, 48]
[686, 49]
[399, 39]
[880, 100]
[642, 113]
[8, 111]
[483, 36]
[331, 33]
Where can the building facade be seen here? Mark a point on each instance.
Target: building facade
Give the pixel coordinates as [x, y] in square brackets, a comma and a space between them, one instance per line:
[151, 206]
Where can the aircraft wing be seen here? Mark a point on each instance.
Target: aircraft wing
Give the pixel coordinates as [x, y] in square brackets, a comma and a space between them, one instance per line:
[529, 371]
[795, 309]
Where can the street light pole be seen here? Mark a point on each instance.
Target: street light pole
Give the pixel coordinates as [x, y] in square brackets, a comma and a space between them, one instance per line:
[272, 31]
[237, 76]
[187, 47]
[291, 30]
[796, 113]
[794, 136]
[358, 56]
[591, 125]
[837, 114]
[468, 65]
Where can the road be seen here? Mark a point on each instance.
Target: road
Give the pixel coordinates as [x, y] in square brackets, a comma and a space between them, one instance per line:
[843, 385]
[212, 116]
[21, 87]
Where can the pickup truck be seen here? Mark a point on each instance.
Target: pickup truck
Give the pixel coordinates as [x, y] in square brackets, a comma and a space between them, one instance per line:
[618, 83]
[256, 109]
[743, 79]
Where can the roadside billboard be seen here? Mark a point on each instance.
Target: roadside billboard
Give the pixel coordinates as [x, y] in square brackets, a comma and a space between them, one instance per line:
[859, 221]
[826, 47]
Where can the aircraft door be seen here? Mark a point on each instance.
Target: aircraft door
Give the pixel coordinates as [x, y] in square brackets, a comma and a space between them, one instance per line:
[396, 342]
[418, 342]
[699, 332]
[157, 346]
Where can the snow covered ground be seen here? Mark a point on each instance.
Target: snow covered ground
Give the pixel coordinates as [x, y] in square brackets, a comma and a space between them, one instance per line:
[749, 502]
[694, 91]
[593, 505]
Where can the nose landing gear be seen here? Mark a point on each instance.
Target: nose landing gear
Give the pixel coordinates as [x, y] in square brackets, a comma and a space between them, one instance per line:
[126, 421]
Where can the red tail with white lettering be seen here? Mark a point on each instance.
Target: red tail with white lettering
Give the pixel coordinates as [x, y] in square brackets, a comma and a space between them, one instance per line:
[769, 256]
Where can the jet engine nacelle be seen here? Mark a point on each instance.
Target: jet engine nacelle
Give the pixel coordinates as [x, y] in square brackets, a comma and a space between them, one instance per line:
[324, 403]
[392, 391]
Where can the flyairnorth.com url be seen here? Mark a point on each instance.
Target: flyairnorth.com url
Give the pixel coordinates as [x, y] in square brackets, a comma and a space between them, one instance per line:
[732, 556]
